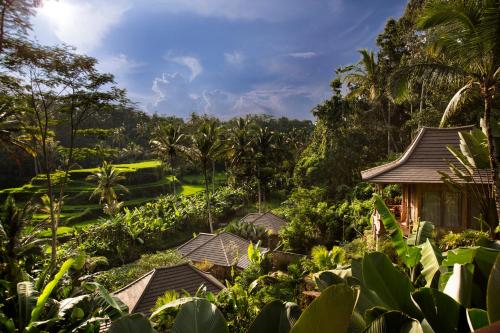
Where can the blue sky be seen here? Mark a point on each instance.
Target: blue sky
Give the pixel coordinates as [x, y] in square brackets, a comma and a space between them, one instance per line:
[222, 57]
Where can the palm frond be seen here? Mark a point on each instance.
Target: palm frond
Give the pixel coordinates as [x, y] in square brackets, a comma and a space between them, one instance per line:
[454, 103]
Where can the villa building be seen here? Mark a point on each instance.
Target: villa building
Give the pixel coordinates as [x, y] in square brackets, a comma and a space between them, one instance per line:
[425, 196]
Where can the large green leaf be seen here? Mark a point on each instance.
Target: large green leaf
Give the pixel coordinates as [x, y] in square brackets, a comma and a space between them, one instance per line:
[483, 260]
[459, 285]
[276, 317]
[112, 305]
[325, 279]
[394, 322]
[477, 318]
[392, 286]
[131, 323]
[332, 310]
[409, 255]
[421, 234]
[441, 311]
[44, 296]
[493, 292]
[431, 261]
[367, 298]
[199, 316]
[171, 305]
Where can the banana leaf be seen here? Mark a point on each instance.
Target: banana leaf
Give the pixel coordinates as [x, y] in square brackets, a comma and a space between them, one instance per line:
[331, 311]
[431, 261]
[199, 316]
[394, 322]
[392, 286]
[441, 311]
[410, 256]
[493, 292]
[276, 317]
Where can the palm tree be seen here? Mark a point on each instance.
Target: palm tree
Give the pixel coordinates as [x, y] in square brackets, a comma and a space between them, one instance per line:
[364, 81]
[107, 178]
[205, 147]
[262, 147]
[239, 145]
[17, 244]
[363, 78]
[168, 141]
[465, 49]
[9, 126]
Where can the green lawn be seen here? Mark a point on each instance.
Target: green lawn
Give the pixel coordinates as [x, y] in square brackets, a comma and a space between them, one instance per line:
[191, 189]
[79, 212]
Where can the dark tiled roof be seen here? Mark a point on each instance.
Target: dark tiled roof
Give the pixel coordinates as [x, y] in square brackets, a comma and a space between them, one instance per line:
[424, 158]
[141, 295]
[224, 249]
[268, 220]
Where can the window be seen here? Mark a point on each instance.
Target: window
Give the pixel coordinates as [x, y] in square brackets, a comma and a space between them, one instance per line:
[441, 208]
[451, 206]
[431, 207]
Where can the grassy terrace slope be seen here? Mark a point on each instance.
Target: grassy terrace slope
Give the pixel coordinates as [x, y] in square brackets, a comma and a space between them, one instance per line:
[144, 180]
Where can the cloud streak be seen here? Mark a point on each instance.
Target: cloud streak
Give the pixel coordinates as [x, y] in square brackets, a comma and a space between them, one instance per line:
[303, 55]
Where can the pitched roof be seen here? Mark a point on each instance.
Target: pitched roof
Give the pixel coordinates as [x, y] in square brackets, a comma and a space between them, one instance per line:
[424, 158]
[268, 220]
[141, 295]
[224, 249]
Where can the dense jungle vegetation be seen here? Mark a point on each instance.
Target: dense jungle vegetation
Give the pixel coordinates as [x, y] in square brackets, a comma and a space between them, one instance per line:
[97, 193]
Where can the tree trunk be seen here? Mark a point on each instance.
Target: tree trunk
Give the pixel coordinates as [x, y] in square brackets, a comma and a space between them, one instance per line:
[259, 190]
[422, 91]
[213, 177]
[207, 198]
[173, 177]
[389, 128]
[492, 154]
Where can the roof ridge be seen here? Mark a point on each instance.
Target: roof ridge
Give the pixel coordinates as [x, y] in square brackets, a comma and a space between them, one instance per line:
[144, 291]
[192, 239]
[224, 250]
[449, 128]
[133, 282]
[207, 276]
[391, 165]
[234, 235]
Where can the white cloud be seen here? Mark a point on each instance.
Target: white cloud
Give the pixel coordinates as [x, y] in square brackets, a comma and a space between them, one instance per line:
[234, 58]
[303, 55]
[81, 24]
[192, 63]
[173, 94]
[120, 66]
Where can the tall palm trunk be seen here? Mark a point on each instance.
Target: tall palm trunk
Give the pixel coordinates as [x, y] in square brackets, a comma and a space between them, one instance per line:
[207, 198]
[259, 189]
[491, 151]
[213, 177]
[174, 189]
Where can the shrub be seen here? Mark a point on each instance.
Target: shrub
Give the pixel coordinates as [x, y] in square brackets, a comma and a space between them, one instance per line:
[118, 277]
[154, 226]
[466, 238]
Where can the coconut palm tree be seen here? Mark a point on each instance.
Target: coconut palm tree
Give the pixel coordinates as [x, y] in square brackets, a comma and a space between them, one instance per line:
[205, 147]
[363, 80]
[464, 39]
[239, 146]
[168, 141]
[107, 178]
[262, 147]
[363, 77]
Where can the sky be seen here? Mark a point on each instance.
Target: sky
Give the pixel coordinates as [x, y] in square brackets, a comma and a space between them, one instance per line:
[225, 58]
